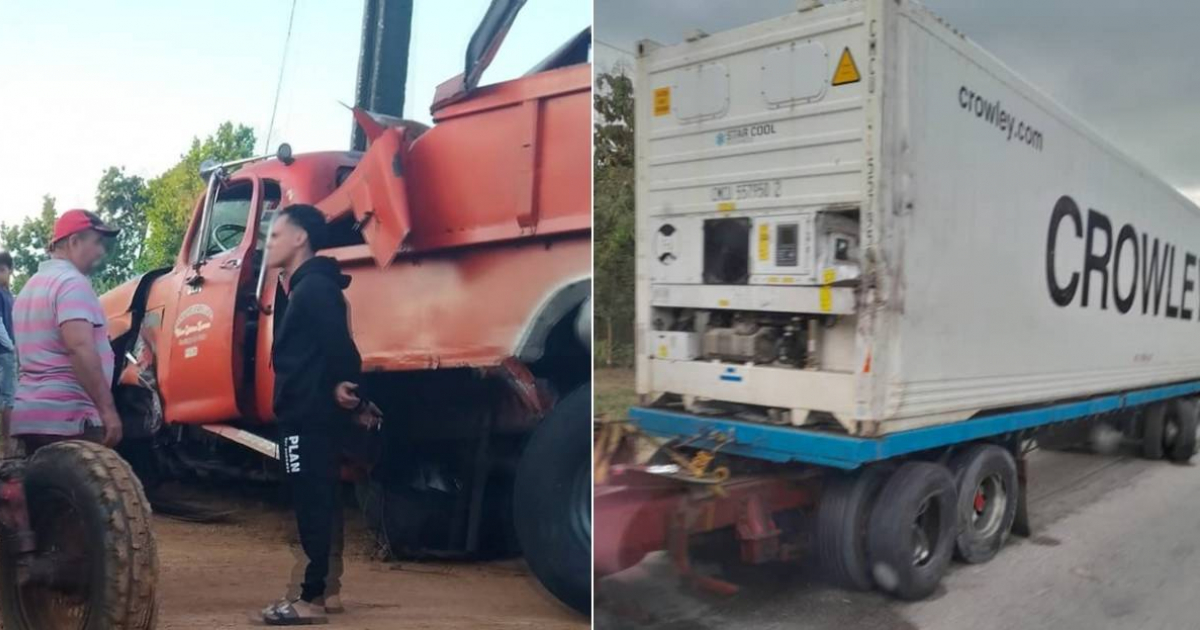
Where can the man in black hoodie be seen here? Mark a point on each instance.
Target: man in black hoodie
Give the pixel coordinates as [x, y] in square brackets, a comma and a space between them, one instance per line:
[316, 365]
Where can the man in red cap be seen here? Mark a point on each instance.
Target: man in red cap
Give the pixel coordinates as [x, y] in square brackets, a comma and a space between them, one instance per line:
[66, 361]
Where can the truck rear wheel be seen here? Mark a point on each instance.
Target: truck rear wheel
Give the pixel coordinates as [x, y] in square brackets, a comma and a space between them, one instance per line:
[1179, 430]
[96, 564]
[987, 501]
[553, 500]
[911, 535]
[1153, 425]
[843, 514]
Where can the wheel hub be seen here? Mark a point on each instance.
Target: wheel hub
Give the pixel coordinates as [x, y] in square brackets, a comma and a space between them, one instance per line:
[924, 532]
[991, 500]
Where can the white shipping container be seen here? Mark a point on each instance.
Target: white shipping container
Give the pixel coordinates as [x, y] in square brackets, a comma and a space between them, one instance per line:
[895, 229]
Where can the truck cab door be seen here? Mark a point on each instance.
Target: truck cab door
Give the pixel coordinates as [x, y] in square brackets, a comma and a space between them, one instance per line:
[205, 334]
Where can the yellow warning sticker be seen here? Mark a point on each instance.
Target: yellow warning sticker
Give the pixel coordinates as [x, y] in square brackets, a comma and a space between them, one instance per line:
[764, 242]
[662, 101]
[826, 295]
[847, 71]
[828, 276]
[726, 206]
[662, 351]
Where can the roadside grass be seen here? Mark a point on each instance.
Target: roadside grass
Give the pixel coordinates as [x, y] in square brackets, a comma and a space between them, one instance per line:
[614, 393]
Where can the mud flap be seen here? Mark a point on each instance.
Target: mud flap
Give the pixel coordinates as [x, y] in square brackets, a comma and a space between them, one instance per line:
[1021, 526]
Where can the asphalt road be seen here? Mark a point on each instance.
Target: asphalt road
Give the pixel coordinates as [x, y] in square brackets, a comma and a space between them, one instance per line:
[1114, 546]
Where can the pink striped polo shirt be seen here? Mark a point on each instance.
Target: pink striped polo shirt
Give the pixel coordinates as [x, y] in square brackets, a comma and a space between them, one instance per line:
[49, 399]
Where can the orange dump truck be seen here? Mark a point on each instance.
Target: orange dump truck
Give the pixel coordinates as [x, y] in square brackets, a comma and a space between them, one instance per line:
[469, 248]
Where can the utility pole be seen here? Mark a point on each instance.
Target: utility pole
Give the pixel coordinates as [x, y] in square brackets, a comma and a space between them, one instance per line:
[382, 61]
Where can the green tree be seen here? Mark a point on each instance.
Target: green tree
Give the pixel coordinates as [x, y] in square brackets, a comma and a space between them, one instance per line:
[172, 195]
[613, 134]
[28, 242]
[614, 221]
[121, 202]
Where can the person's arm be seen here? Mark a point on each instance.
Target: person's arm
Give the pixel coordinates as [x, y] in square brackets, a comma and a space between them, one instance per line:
[79, 338]
[322, 303]
[78, 312]
[6, 340]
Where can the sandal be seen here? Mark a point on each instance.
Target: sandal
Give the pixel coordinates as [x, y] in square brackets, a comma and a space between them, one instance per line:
[276, 605]
[288, 615]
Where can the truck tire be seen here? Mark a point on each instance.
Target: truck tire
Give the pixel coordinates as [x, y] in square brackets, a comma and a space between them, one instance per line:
[553, 500]
[986, 477]
[843, 514]
[911, 534]
[1179, 431]
[1152, 431]
[87, 507]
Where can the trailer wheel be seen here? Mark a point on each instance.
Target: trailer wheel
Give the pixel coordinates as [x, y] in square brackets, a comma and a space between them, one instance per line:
[1153, 426]
[553, 500]
[987, 501]
[1179, 430]
[96, 564]
[911, 535]
[843, 514]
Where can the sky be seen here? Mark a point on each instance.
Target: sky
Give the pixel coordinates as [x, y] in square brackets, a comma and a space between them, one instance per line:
[1125, 68]
[85, 85]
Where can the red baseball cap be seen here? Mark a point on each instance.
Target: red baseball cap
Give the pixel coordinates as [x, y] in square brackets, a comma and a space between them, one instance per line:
[76, 221]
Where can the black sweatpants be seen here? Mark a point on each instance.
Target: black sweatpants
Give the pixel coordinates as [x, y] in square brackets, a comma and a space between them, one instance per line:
[310, 461]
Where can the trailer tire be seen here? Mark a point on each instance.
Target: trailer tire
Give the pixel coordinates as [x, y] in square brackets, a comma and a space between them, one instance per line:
[1179, 437]
[843, 515]
[911, 535]
[986, 477]
[85, 503]
[552, 500]
[1152, 431]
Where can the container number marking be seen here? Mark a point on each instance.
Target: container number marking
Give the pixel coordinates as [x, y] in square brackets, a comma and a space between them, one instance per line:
[761, 189]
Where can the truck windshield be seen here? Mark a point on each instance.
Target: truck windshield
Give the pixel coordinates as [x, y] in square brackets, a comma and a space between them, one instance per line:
[230, 213]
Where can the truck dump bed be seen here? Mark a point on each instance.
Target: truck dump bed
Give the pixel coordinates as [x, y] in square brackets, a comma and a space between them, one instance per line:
[852, 217]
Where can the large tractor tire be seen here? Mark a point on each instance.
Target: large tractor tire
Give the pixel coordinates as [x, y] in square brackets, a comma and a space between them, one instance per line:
[96, 560]
[553, 500]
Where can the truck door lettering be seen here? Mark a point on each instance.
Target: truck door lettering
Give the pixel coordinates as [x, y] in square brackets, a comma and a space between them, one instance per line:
[1065, 207]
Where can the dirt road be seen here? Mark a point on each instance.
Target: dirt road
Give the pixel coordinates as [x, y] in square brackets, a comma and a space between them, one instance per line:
[214, 576]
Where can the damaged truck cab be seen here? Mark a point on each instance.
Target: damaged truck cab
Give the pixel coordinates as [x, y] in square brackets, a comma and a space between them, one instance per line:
[468, 246]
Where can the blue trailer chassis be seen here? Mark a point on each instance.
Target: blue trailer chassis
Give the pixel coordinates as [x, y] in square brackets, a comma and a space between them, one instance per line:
[783, 444]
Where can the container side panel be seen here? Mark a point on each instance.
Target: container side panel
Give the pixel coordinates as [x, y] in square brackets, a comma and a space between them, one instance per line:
[1038, 263]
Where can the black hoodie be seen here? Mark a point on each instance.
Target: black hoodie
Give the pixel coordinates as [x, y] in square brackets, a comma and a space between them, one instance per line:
[313, 350]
